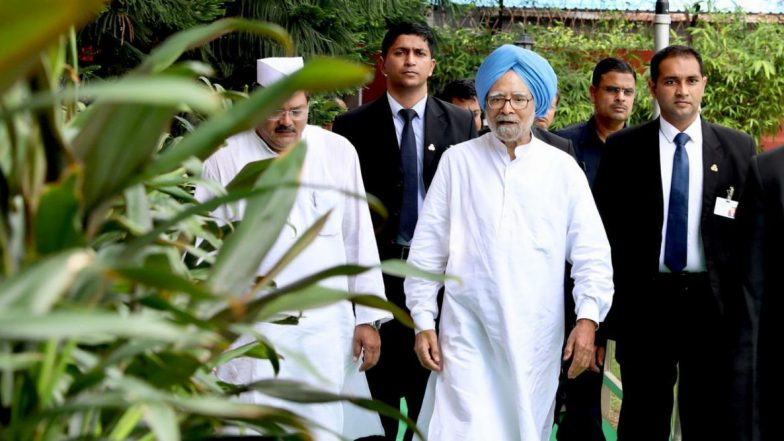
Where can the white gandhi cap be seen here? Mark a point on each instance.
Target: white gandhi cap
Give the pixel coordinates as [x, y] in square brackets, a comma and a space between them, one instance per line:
[269, 70]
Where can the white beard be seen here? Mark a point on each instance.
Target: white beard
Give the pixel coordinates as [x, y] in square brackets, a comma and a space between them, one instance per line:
[511, 133]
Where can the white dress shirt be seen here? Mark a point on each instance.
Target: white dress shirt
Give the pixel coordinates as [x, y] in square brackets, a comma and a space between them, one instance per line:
[695, 257]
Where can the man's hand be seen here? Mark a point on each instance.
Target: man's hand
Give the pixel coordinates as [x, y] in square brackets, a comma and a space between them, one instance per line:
[580, 348]
[366, 337]
[426, 347]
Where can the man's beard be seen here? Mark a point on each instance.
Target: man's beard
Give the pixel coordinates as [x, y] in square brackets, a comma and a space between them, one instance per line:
[508, 133]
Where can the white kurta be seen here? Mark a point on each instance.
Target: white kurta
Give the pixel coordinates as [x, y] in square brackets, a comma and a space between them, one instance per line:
[318, 349]
[505, 228]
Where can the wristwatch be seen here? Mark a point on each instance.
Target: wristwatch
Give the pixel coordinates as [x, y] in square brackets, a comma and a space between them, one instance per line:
[375, 325]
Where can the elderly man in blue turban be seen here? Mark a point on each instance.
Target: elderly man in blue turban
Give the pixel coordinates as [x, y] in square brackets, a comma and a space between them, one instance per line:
[504, 213]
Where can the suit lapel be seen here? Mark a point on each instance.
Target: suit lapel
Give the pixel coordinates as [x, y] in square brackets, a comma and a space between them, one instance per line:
[387, 136]
[713, 170]
[435, 126]
[652, 154]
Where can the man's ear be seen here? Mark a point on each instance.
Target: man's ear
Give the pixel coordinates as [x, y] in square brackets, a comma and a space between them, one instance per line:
[382, 65]
[433, 67]
[592, 91]
[652, 87]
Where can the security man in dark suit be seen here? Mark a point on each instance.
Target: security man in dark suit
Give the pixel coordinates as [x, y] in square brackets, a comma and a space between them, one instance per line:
[400, 138]
[612, 92]
[761, 218]
[667, 192]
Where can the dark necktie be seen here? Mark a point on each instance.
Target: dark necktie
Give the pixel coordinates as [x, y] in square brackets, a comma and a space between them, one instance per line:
[678, 211]
[408, 156]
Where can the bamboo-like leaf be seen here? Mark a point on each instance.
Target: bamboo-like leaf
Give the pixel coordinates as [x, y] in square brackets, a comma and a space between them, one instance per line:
[315, 296]
[304, 393]
[249, 175]
[168, 91]
[22, 325]
[171, 49]
[28, 27]
[162, 421]
[58, 221]
[138, 244]
[238, 260]
[116, 144]
[163, 278]
[253, 308]
[38, 287]
[254, 349]
[138, 208]
[19, 361]
[299, 246]
[127, 422]
[400, 268]
[321, 74]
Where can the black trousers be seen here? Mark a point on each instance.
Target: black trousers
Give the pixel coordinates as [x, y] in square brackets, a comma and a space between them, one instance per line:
[582, 397]
[677, 331]
[398, 372]
[582, 420]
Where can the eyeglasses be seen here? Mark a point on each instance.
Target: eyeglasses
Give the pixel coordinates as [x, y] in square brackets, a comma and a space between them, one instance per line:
[612, 90]
[296, 114]
[517, 101]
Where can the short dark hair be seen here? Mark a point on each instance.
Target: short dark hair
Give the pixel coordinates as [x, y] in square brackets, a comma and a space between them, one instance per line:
[673, 51]
[460, 89]
[395, 30]
[611, 65]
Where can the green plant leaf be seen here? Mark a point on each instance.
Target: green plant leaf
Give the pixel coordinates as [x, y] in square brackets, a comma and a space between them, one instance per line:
[115, 144]
[171, 49]
[238, 260]
[160, 90]
[19, 361]
[247, 177]
[315, 296]
[36, 288]
[58, 221]
[22, 325]
[162, 278]
[299, 392]
[320, 74]
[29, 26]
[162, 421]
[400, 268]
[127, 422]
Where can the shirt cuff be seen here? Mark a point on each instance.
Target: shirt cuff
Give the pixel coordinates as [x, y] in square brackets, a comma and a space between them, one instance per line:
[423, 321]
[589, 310]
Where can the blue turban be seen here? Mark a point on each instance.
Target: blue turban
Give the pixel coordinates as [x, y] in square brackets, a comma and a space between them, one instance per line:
[530, 66]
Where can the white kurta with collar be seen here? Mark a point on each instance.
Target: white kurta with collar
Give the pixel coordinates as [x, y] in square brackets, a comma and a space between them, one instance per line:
[318, 349]
[505, 228]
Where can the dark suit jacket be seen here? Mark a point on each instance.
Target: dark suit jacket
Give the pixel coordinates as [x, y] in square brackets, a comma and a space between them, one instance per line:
[371, 129]
[554, 140]
[761, 218]
[628, 193]
[589, 149]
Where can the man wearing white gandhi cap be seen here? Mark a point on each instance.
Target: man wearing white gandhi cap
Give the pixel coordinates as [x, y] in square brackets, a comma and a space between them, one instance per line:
[330, 347]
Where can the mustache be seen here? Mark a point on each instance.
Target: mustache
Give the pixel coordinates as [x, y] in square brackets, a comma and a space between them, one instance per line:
[506, 118]
[284, 129]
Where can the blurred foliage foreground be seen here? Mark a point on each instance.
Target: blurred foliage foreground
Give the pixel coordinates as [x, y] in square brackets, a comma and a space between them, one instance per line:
[106, 331]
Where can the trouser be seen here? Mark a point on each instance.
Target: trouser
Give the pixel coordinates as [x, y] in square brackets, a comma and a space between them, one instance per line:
[398, 372]
[677, 334]
[582, 420]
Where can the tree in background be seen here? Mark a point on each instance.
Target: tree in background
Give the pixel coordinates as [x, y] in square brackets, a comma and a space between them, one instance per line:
[743, 62]
[126, 30]
[317, 27]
